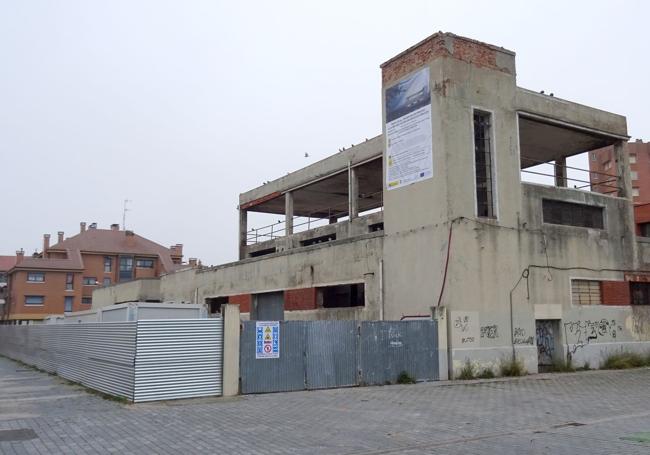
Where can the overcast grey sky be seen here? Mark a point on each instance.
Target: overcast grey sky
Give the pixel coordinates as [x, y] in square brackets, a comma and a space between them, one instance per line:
[181, 105]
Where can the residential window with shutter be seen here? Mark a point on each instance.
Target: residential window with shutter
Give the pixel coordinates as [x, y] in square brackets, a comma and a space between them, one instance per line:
[586, 292]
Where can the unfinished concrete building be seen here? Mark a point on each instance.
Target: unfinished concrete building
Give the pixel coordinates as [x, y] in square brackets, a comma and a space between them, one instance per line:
[431, 219]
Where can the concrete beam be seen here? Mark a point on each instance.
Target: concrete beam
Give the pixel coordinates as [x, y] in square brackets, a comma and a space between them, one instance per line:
[553, 108]
[334, 164]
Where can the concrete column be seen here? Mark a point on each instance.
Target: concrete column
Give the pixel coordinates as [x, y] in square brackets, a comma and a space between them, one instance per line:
[624, 181]
[230, 379]
[440, 315]
[288, 213]
[243, 229]
[560, 172]
[353, 193]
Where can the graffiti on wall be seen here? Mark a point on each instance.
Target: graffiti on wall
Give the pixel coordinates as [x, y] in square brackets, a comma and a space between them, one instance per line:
[490, 331]
[465, 328]
[462, 323]
[638, 323]
[520, 337]
[581, 333]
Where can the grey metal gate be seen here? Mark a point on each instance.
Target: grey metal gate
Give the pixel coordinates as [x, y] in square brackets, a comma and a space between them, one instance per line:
[329, 354]
[388, 348]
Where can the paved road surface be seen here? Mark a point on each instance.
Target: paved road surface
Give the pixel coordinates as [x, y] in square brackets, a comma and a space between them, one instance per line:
[583, 413]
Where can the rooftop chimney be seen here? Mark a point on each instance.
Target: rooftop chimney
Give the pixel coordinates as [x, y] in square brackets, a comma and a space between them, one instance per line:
[177, 250]
[115, 227]
[60, 234]
[83, 226]
[92, 226]
[639, 140]
[20, 254]
[46, 244]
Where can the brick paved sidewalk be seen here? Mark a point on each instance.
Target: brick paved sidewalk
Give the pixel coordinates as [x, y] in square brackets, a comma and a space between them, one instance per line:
[601, 412]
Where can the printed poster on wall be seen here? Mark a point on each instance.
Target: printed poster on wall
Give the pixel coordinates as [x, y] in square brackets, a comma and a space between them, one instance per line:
[409, 154]
[267, 345]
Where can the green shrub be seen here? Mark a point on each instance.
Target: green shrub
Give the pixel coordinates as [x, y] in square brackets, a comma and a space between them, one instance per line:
[468, 371]
[405, 378]
[486, 373]
[624, 359]
[512, 367]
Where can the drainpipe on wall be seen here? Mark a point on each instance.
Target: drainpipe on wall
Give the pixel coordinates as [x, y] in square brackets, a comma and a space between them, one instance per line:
[381, 290]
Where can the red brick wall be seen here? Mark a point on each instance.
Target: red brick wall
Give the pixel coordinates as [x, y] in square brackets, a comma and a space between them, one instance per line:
[300, 299]
[641, 215]
[243, 300]
[294, 299]
[478, 54]
[615, 292]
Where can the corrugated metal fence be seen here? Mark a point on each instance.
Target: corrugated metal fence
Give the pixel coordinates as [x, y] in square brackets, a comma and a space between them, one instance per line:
[327, 354]
[141, 361]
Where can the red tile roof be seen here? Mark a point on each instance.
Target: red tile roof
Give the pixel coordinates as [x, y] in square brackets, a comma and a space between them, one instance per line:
[7, 262]
[110, 241]
[73, 262]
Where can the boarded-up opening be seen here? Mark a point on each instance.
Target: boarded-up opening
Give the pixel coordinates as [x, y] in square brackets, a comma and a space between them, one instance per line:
[586, 292]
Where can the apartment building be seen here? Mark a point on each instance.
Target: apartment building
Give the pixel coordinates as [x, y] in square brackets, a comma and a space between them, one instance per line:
[63, 276]
[602, 165]
[431, 219]
[6, 263]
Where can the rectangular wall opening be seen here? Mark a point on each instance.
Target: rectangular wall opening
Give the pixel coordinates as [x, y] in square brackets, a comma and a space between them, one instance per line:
[215, 304]
[572, 214]
[342, 296]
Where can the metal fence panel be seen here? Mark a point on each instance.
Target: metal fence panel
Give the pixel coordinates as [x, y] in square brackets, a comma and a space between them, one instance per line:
[387, 348]
[99, 356]
[330, 354]
[178, 358]
[284, 374]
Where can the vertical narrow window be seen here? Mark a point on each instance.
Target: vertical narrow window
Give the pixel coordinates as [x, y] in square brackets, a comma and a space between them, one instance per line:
[108, 264]
[69, 281]
[126, 268]
[483, 164]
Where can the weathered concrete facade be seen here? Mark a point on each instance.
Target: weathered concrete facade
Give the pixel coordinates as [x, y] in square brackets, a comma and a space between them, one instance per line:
[510, 283]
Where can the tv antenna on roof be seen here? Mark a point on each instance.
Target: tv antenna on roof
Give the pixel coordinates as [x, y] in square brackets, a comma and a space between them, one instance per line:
[126, 201]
